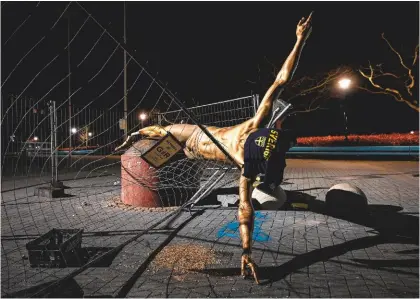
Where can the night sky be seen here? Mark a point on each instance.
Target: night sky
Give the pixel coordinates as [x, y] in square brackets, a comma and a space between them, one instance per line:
[213, 51]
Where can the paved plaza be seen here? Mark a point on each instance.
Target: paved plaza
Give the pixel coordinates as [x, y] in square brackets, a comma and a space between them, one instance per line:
[300, 253]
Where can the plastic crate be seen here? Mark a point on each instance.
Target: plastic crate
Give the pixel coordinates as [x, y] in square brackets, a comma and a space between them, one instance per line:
[56, 248]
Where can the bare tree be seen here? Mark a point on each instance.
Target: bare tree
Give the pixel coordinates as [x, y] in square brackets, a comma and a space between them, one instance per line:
[400, 84]
[310, 93]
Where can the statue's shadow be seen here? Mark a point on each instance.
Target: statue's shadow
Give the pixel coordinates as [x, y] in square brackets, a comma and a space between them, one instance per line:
[387, 220]
[391, 226]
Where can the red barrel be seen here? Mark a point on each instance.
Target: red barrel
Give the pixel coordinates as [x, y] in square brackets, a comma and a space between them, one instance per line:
[139, 180]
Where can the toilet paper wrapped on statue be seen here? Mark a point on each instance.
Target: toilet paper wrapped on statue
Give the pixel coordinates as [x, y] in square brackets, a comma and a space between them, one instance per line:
[269, 199]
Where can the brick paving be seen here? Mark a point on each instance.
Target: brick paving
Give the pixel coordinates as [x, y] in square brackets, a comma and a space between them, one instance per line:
[299, 253]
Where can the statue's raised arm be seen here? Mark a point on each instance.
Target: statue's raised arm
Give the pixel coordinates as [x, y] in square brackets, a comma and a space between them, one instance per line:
[303, 30]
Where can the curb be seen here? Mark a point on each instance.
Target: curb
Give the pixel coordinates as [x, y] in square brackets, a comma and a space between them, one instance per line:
[401, 151]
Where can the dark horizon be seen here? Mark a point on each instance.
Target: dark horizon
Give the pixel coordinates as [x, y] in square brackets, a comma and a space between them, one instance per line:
[210, 52]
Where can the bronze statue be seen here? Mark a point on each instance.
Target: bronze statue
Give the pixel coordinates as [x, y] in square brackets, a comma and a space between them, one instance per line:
[199, 146]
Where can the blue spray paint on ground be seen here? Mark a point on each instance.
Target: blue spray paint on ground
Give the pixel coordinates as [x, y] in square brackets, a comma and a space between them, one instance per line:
[232, 229]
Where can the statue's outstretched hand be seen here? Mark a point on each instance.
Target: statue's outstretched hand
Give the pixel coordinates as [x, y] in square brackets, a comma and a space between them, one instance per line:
[304, 27]
[248, 267]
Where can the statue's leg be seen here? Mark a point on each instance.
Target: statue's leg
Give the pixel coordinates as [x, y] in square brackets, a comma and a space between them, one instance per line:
[181, 131]
[197, 144]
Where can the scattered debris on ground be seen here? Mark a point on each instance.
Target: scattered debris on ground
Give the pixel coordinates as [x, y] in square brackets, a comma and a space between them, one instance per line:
[183, 258]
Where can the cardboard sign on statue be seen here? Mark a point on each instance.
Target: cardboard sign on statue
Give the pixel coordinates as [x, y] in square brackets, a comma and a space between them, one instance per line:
[163, 151]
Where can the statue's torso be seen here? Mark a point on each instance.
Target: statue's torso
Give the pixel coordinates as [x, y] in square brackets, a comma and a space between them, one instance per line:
[232, 139]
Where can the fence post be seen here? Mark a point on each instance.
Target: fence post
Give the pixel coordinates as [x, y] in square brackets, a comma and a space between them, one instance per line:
[55, 142]
[54, 158]
[52, 141]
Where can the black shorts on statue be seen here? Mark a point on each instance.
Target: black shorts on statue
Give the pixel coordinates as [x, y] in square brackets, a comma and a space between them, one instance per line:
[264, 154]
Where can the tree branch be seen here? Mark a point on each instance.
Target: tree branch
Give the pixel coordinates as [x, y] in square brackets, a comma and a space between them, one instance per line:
[388, 91]
[318, 84]
[309, 110]
[410, 86]
[370, 78]
[388, 74]
[416, 55]
[310, 93]
[274, 67]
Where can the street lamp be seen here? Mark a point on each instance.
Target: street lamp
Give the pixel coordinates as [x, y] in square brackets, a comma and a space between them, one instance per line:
[344, 84]
[143, 117]
[88, 134]
[72, 132]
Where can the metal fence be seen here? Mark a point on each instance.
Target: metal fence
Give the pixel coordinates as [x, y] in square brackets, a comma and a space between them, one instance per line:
[219, 114]
[84, 134]
[26, 134]
[212, 174]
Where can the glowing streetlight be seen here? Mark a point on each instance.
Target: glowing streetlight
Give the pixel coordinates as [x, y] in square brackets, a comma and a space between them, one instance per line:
[143, 116]
[36, 138]
[90, 134]
[412, 132]
[344, 83]
[74, 130]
